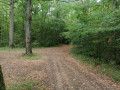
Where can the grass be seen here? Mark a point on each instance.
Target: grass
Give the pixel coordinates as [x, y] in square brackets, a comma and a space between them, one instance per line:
[14, 49]
[32, 85]
[111, 70]
[34, 56]
[10, 49]
[17, 48]
[25, 85]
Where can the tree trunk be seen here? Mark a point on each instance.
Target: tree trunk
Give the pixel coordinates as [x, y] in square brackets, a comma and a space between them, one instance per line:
[28, 28]
[2, 84]
[23, 30]
[116, 4]
[103, 8]
[112, 5]
[11, 44]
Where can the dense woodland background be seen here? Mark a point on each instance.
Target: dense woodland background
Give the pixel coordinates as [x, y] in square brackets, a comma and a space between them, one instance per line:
[92, 26]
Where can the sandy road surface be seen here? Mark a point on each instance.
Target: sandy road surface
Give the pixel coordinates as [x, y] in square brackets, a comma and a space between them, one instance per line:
[57, 70]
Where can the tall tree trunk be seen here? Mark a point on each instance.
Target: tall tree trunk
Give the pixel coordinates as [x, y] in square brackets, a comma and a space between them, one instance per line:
[54, 1]
[2, 84]
[28, 28]
[112, 5]
[116, 4]
[103, 8]
[23, 29]
[11, 44]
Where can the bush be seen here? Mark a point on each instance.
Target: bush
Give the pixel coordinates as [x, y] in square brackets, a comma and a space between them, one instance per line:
[99, 40]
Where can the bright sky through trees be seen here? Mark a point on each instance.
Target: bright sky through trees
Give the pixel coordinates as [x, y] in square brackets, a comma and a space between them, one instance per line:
[98, 0]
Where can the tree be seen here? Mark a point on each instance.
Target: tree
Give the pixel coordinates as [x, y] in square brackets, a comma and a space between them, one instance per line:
[28, 28]
[2, 84]
[11, 44]
[116, 4]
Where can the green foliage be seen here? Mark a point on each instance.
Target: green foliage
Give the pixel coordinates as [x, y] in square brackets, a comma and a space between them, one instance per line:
[95, 35]
[47, 23]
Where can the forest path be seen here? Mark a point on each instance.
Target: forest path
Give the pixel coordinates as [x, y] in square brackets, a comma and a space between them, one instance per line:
[65, 73]
[57, 70]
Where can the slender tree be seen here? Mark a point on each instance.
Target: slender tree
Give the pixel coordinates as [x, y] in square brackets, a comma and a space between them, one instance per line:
[103, 7]
[11, 44]
[2, 84]
[28, 28]
[113, 5]
[116, 4]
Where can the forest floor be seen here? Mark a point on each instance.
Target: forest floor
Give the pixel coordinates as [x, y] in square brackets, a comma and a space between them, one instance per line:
[54, 69]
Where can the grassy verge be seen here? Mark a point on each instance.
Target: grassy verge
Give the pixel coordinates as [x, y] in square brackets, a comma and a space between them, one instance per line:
[10, 49]
[20, 48]
[111, 70]
[32, 85]
[34, 56]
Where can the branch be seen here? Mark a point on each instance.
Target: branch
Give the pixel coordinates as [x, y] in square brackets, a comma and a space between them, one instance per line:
[4, 2]
[5, 9]
[81, 1]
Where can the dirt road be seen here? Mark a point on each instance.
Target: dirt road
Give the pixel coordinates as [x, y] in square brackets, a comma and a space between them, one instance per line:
[57, 70]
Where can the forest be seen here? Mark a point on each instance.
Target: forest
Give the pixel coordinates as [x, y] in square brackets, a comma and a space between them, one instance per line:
[92, 27]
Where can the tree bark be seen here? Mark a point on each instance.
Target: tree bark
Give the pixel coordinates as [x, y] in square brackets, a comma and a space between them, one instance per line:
[112, 5]
[103, 8]
[2, 84]
[28, 28]
[11, 44]
[116, 4]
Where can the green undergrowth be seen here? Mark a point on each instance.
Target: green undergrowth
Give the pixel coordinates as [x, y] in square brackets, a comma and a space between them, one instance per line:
[34, 56]
[32, 85]
[111, 70]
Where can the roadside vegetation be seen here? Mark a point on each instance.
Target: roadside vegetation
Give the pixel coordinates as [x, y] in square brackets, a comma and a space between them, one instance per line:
[108, 69]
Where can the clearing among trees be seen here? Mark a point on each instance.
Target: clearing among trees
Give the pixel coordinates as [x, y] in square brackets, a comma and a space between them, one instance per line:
[55, 69]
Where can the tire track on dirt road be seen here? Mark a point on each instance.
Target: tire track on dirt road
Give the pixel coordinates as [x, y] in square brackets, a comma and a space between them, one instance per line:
[65, 73]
